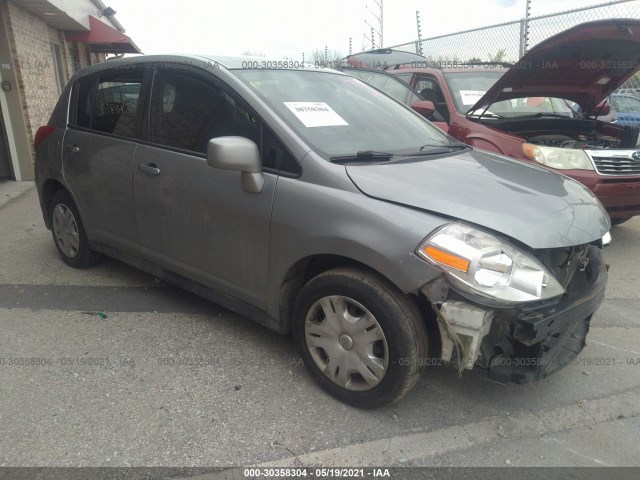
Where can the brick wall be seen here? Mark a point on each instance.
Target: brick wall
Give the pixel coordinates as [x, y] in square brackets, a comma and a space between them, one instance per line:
[30, 38]
[33, 60]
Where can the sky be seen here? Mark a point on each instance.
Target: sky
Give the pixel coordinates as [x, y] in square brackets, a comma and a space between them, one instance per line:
[289, 28]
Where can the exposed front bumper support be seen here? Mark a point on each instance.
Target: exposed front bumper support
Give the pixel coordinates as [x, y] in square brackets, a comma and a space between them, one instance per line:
[548, 338]
[526, 343]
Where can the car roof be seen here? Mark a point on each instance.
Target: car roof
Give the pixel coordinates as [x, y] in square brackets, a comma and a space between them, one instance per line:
[460, 68]
[204, 61]
[241, 61]
[386, 56]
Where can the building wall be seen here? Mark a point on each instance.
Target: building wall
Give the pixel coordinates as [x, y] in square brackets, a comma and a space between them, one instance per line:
[30, 42]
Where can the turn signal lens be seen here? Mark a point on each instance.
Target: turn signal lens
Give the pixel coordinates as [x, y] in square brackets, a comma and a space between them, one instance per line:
[529, 150]
[447, 258]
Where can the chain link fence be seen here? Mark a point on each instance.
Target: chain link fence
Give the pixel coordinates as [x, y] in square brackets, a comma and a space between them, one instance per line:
[507, 42]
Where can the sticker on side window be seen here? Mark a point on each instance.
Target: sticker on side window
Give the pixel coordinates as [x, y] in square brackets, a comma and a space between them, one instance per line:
[471, 97]
[315, 114]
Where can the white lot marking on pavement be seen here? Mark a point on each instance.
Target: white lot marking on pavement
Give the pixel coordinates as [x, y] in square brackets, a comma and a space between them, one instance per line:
[451, 439]
[614, 347]
[428, 444]
[587, 457]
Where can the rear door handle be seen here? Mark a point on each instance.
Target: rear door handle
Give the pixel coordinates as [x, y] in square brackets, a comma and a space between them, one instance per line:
[150, 169]
[72, 148]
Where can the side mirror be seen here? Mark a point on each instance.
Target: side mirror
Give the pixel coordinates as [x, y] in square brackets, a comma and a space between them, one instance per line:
[424, 107]
[601, 109]
[240, 154]
[442, 126]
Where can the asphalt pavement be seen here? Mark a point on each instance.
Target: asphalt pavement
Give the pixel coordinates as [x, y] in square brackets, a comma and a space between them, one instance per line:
[110, 367]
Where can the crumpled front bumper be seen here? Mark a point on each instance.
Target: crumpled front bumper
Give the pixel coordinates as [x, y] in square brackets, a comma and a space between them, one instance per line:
[545, 339]
[520, 344]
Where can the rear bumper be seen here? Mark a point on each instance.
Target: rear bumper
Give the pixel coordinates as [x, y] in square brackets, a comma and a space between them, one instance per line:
[545, 339]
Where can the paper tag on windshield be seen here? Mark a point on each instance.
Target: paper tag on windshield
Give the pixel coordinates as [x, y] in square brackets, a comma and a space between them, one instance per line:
[471, 97]
[315, 114]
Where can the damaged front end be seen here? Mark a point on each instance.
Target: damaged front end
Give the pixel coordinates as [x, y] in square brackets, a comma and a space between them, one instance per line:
[516, 340]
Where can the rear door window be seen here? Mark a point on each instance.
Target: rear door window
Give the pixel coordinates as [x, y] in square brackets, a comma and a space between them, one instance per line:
[109, 103]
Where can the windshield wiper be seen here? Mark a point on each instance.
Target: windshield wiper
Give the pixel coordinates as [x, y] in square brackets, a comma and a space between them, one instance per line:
[543, 114]
[480, 115]
[363, 156]
[440, 146]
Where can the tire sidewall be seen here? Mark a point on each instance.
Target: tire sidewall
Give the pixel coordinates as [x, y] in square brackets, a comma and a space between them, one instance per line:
[391, 317]
[85, 255]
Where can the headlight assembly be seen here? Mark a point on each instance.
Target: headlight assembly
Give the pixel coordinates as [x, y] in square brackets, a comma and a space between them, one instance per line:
[559, 158]
[481, 264]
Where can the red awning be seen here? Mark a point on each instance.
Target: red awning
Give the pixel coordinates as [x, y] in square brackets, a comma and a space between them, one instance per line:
[104, 39]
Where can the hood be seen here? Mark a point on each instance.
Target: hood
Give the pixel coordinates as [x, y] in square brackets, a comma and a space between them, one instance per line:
[535, 206]
[584, 64]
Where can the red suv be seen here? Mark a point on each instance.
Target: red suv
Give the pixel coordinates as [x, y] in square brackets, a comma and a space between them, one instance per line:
[525, 111]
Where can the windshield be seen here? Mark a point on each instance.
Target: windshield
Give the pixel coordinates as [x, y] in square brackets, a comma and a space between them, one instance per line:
[340, 115]
[624, 104]
[389, 84]
[468, 88]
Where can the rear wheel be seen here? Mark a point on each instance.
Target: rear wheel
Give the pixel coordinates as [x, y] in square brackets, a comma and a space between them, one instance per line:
[68, 232]
[361, 339]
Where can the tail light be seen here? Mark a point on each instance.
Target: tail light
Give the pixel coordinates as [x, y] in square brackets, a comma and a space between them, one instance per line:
[41, 134]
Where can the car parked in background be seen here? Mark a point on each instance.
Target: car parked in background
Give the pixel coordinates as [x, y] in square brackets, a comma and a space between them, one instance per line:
[626, 108]
[380, 58]
[398, 90]
[523, 112]
[629, 91]
[314, 204]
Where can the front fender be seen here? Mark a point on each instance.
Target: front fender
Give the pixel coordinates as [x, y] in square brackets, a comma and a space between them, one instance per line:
[310, 219]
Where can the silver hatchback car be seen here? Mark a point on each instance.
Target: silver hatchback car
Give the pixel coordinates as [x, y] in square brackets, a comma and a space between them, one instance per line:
[316, 205]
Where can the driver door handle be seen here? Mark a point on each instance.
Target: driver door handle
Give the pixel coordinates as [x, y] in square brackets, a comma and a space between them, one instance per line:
[150, 169]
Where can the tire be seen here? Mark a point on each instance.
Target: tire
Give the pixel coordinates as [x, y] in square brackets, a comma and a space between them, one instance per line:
[379, 341]
[68, 232]
[619, 221]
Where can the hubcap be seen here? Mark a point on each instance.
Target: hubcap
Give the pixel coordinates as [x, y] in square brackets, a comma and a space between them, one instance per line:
[346, 343]
[65, 230]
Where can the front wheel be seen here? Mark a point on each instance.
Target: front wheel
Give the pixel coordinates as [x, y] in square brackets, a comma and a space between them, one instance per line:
[361, 339]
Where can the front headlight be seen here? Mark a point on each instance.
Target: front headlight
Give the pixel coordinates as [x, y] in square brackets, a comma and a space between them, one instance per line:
[482, 264]
[560, 158]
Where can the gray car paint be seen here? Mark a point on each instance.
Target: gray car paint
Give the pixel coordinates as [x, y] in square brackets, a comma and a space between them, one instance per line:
[197, 221]
[312, 218]
[99, 174]
[533, 205]
[322, 211]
